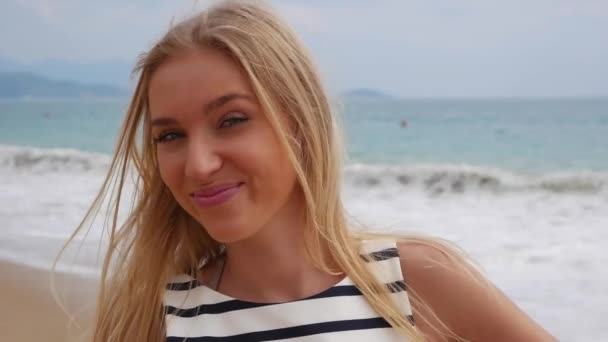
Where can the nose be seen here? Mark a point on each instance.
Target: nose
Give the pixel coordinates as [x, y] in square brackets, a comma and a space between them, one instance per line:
[202, 160]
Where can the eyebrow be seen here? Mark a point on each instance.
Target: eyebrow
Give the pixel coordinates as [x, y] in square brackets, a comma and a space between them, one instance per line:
[207, 108]
[222, 100]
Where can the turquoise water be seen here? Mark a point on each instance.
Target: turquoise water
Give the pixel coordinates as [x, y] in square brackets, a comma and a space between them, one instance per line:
[529, 135]
[84, 125]
[513, 134]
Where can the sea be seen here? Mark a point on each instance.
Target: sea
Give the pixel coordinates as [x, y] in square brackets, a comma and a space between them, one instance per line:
[521, 185]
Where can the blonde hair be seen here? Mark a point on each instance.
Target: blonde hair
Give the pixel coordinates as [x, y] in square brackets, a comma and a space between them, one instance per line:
[159, 239]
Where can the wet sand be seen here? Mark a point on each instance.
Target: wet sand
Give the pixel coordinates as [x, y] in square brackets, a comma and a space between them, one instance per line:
[30, 313]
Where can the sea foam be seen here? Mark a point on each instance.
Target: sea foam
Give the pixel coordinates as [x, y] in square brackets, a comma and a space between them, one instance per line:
[540, 237]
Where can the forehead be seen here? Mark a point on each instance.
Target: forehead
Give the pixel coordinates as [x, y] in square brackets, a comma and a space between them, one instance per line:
[192, 78]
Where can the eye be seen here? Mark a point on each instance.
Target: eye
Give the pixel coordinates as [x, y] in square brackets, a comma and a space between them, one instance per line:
[233, 120]
[166, 137]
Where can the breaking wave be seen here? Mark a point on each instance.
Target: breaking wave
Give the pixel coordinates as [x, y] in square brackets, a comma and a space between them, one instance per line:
[433, 178]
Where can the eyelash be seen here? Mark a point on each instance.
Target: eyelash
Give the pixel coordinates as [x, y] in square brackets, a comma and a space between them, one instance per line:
[169, 136]
[233, 121]
[164, 137]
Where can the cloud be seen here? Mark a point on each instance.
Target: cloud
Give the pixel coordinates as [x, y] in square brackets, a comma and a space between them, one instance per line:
[43, 8]
[304, 17]
[411, 47]
[83, 31]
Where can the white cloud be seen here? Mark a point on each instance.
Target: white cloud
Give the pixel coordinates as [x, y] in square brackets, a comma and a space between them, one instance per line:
[42, 8]
[417, 47]
[304, 17]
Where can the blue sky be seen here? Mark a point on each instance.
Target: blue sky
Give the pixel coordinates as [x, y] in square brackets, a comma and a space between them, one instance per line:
[417, 48]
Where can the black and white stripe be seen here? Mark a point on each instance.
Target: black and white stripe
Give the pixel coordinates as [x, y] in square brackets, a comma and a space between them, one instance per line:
[195, 312]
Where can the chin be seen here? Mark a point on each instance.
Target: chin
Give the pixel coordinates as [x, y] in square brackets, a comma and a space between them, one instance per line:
[228, 236]
[229, 231]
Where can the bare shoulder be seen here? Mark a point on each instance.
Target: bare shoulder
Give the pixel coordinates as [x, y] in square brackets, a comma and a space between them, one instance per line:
[456, 294]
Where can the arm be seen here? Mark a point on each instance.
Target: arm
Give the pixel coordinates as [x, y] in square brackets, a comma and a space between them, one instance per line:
[468, 304]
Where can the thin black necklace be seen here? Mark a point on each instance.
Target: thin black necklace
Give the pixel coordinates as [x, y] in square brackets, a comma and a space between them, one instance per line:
[219, 279]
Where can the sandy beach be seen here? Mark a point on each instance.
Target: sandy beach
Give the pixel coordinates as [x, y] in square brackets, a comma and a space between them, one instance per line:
[30, 313]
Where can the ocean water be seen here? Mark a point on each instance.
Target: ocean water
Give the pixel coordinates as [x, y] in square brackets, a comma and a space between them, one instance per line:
[521, 185]
[515, 134]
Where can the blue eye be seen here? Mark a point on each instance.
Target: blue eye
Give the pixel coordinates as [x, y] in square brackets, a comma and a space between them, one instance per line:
[167, 137]
[232, 121]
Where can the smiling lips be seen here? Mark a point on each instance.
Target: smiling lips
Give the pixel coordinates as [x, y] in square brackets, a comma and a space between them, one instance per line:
[215, 195]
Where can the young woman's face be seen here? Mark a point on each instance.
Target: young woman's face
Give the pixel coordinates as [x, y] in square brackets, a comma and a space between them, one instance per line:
[217, 152]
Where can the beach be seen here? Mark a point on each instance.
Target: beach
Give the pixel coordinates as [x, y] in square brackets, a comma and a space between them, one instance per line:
[521, 187]
[30, 313]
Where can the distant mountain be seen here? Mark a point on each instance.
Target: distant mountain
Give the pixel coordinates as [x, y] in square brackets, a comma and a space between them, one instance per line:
[115, 73]
[366, 93]
[24, 84]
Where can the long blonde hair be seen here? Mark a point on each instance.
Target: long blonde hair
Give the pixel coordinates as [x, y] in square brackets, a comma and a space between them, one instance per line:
[159, 239]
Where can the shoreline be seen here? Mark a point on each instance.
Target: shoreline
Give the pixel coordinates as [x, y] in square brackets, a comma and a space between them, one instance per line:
[30, 312]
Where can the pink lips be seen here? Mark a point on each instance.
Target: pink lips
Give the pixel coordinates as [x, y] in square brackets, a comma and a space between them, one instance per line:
[215, 195]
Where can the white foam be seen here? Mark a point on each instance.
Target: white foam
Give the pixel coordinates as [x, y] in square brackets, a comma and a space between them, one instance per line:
[544, 248]
[438, 179]
[31, 159]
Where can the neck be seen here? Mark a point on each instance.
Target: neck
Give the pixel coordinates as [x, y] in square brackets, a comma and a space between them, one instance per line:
[273, 264]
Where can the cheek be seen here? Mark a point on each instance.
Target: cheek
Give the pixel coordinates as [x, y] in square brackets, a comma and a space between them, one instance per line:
[286, 175]
[262, 159]
[278, 173]
[170, 171]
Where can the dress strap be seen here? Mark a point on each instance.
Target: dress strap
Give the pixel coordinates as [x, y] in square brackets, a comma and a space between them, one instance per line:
[383, 260]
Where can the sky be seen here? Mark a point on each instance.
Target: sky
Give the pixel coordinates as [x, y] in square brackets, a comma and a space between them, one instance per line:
[408, 48]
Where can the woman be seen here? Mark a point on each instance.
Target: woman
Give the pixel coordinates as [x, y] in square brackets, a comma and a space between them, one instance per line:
[238, 232]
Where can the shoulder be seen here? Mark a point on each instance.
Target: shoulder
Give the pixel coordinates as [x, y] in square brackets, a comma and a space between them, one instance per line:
[452, 296]
[428, 262]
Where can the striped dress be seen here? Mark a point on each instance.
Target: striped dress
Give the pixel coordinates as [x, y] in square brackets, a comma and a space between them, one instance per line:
[195, 312]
